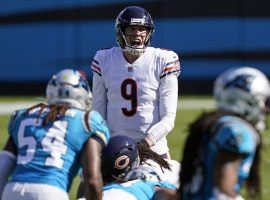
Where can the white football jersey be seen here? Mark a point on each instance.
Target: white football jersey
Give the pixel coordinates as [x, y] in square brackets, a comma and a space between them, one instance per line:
[128, 95]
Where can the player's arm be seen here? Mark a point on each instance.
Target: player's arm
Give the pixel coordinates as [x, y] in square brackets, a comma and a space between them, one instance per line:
[91, 162]
[8, 162]
[98, 88]
[91, 165]
[226, 172]
[8, 156]
[168, 97]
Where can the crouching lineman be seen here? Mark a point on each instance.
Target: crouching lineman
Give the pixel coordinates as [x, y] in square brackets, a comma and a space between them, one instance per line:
[134, 172]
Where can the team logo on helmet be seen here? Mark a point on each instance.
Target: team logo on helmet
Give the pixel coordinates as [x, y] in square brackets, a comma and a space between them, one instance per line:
[137, 20]
[122, 162]
[242, 81]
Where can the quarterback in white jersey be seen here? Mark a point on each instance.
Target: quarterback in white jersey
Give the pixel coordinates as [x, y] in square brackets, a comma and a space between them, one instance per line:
[135, 87]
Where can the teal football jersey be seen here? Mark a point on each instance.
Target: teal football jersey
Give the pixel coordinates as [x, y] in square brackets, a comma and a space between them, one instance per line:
[50, 154]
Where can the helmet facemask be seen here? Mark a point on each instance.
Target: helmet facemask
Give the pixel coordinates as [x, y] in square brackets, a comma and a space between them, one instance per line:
[133, 49]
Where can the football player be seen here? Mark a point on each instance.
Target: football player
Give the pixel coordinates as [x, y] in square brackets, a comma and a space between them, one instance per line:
[123, 155]
[131, 171]
[135, 86]
[50, 142]
[222, 149]
[134, 172]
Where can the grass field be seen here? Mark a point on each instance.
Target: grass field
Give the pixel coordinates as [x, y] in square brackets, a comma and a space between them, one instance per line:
[189, 108]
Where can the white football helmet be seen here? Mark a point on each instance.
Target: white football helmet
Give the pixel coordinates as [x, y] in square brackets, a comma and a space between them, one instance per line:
[245, 91]
[69, 86]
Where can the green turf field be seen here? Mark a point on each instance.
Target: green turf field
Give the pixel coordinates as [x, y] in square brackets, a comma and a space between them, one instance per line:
[189, 108]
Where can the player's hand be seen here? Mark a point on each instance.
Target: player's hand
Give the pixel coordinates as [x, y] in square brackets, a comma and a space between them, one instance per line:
[143, 143]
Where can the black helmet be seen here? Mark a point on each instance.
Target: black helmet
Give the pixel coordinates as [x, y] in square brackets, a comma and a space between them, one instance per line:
[119, 156]
[133, 15]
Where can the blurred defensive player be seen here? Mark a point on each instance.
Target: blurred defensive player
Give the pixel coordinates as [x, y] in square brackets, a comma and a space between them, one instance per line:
[222, 149]
[51, 142]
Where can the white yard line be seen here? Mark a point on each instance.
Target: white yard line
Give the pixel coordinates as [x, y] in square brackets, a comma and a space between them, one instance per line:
[190, 104]
[7, 108]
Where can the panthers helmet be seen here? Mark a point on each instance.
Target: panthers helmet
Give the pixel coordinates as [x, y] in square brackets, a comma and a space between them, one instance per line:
[130, 16]
[245, 91]
[69, 86]
[119, 156]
